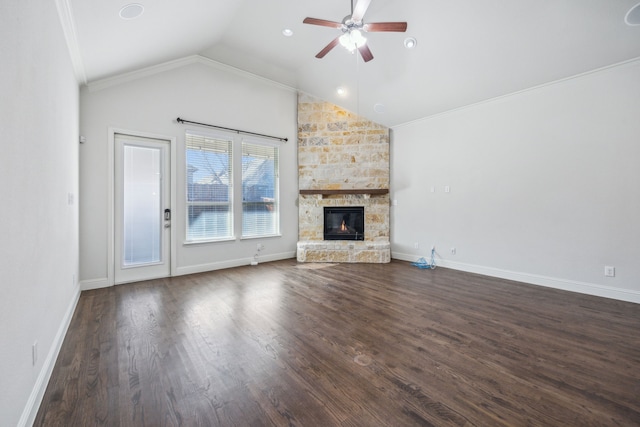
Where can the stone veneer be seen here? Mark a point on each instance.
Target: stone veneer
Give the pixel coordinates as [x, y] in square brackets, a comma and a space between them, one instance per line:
[338, 150]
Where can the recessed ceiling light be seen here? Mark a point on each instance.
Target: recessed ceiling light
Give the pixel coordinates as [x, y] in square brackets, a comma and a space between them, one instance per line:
[633, 16]
[379, 108]
[341, 91]
[287, 32]
[131, 11]
[410, 42]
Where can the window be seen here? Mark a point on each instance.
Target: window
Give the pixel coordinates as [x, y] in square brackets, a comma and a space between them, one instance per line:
[259, 190]
[209, 187]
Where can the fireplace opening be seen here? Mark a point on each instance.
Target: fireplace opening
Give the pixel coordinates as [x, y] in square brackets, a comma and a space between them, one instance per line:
[344, 223]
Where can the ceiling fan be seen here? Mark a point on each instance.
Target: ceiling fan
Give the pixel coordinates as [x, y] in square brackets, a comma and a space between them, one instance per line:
[352, 28]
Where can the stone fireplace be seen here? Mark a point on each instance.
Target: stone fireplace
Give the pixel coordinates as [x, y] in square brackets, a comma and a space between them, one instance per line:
[343, 162]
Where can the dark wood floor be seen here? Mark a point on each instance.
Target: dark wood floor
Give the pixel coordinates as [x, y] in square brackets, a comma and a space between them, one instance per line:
[345, 345]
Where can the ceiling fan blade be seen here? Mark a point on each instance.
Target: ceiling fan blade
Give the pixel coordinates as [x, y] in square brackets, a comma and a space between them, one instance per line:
[359, 10]
[328, 48]
[365, 52]
[399, 27]
[322, 22]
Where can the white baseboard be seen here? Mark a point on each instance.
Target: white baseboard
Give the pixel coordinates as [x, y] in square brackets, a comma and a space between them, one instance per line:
[35, 398]
[87, 285]
[534, 279]
[201, 268]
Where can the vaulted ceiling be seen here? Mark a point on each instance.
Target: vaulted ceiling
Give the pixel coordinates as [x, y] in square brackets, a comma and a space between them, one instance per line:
[467, 50]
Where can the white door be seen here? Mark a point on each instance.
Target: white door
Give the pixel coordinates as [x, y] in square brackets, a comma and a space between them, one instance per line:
[142, 208]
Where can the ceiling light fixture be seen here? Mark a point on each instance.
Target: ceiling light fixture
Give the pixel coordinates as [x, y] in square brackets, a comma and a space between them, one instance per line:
[410, 42]
[341, 91]
[632, 17]
[131, 11]
[287, 32]
[352, 40]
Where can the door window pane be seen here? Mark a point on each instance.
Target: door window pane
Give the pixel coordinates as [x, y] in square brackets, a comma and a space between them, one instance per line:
[142, 206]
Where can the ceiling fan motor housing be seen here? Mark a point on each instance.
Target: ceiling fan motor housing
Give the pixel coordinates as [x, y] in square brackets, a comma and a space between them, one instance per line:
[349, 24]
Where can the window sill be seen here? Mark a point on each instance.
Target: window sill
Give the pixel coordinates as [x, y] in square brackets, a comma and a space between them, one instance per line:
[204, 242]
[266, 236]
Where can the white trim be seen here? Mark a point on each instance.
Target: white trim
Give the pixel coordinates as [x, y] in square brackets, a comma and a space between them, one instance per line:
[71, 36]
[508, 95]
[202, 268]
[534, 279]
[178, 63]
[173, 257]
[266, 236]
[111, 176]
[204, 242]
[35, 398]
[173, 190]
[87, 285]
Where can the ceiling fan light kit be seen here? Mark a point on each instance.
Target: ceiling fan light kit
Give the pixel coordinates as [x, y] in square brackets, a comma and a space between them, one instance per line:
[352, 40]
[352, 28]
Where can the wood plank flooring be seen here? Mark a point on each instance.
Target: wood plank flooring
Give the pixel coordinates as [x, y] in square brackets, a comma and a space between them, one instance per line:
[286, 344]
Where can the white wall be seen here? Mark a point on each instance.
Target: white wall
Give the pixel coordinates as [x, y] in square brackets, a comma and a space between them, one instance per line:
[193, 89]
[39, 170]
[545, 185]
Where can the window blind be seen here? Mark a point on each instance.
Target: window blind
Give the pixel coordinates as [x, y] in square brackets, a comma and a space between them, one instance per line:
[209, 191]
[260, 204]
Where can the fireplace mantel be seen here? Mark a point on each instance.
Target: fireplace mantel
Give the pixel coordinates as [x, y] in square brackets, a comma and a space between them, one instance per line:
[371, 191]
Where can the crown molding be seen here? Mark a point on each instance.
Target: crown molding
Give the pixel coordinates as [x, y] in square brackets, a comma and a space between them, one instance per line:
[71, 36]
[178, 63]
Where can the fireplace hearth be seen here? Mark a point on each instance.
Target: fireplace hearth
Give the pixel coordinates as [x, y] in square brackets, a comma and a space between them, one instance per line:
[344, 223]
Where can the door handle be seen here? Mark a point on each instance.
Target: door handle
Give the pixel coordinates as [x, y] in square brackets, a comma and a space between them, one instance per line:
[167, 214]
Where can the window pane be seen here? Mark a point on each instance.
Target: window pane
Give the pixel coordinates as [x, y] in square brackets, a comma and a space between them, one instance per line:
[209, 183]
[259, 190]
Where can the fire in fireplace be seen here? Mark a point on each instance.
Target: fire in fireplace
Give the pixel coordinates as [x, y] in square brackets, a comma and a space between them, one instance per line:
[344, 223]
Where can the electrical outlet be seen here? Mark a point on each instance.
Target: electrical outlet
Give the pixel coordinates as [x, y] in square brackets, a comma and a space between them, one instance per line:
[260, 246]
[416, 245]
[609, 271]
[34, 353]
[453, 251]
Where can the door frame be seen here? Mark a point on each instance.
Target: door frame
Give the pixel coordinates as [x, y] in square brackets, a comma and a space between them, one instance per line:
[172, 259]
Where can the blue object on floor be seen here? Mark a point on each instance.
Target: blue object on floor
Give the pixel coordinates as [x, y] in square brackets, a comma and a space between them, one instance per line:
[422, 263]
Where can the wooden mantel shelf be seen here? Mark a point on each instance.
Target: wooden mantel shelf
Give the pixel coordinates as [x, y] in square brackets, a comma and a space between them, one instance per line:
[352, 191]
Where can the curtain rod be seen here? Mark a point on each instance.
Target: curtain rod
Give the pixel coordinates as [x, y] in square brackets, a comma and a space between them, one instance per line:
[233, 130]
